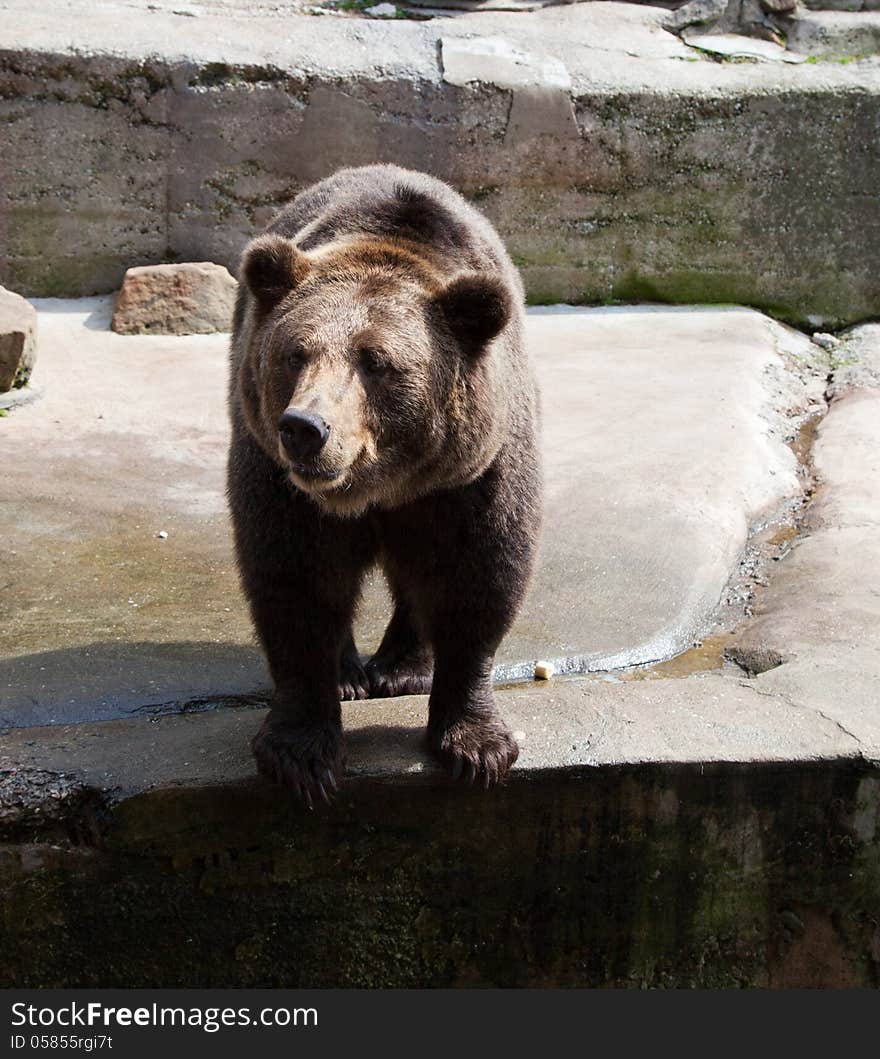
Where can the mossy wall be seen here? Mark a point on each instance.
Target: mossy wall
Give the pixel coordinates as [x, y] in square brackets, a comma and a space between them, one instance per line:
[663, 877]
[768, 199]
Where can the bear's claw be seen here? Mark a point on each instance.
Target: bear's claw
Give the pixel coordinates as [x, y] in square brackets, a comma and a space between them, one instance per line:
[385, 684]
[353, 680]
[474, 749]
[304, 760]
[404, 677]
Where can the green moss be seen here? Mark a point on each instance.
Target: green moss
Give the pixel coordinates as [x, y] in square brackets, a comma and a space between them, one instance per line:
[538, 297]
[22, 377]
[66, 278]
[541, 257]
[645, 876]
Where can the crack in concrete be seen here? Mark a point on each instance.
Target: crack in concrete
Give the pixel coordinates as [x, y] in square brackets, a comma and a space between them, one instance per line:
[789, 701]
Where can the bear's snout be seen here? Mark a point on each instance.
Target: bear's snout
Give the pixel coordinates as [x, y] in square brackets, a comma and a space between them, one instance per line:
[303, 434]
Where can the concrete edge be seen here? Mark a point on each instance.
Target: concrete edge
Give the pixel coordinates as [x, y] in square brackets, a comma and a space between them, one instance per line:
[69, 777]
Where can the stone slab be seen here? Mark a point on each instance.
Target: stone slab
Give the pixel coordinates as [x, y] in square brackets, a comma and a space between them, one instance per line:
[665, 439]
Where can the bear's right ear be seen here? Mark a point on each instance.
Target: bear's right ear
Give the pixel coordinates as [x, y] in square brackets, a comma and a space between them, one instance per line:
[271, 267]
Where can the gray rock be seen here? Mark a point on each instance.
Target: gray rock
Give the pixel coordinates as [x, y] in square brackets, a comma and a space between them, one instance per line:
[381, 11]
[835, 34]
[857, 361]
[696, 13]
[18, 340]
[838, 5]
[825, 341]
[187, 299]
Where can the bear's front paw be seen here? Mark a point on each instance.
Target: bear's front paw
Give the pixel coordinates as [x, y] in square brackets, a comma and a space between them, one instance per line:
[481, 749]
[306, 759]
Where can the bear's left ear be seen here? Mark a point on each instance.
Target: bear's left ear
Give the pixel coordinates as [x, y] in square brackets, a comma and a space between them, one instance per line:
[476, 306]
[271, 267]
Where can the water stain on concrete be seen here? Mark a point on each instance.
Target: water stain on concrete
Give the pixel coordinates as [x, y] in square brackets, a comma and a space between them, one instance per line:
[704, 657]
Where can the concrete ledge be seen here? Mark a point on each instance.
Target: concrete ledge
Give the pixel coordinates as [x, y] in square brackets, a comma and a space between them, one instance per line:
[623, 167]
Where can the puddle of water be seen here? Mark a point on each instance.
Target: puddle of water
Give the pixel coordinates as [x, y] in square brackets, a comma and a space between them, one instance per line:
[783, 536]
[802, 443]
[702, 658]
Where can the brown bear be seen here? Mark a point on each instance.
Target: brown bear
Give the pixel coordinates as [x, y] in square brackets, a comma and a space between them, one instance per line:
[383, 410]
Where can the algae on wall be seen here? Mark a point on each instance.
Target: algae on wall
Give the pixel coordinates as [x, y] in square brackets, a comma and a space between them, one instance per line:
[660, 877]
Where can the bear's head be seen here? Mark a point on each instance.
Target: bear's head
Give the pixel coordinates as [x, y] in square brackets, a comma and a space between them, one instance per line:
[368, 374]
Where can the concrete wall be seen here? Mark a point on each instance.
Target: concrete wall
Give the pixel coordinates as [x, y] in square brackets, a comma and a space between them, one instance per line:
[661, 876]
[744, 193]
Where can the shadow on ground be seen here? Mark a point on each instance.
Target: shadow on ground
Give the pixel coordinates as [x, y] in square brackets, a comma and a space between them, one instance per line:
[103, 680]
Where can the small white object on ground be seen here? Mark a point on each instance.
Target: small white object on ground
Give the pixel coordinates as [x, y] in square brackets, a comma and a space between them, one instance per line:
[544, 670]
[825, 341]
[162, 535]
[381, 11]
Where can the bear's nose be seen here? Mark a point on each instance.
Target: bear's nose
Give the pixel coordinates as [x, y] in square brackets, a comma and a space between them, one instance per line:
[303, 434]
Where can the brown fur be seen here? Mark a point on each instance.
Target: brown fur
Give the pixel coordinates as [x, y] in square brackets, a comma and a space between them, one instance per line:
[384, 308]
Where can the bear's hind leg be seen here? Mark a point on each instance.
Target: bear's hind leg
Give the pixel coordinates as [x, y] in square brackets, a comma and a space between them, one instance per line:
[404, 664]
[353, 680]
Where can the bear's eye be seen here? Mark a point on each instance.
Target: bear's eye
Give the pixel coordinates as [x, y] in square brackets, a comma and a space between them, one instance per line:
[295, 356]
[373, 360]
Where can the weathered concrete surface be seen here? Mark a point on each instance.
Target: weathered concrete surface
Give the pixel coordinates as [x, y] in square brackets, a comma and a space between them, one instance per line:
[665, 439]
[821, 614]
[134, 136]
[664, 442]
[716, 717]
[835, 34]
